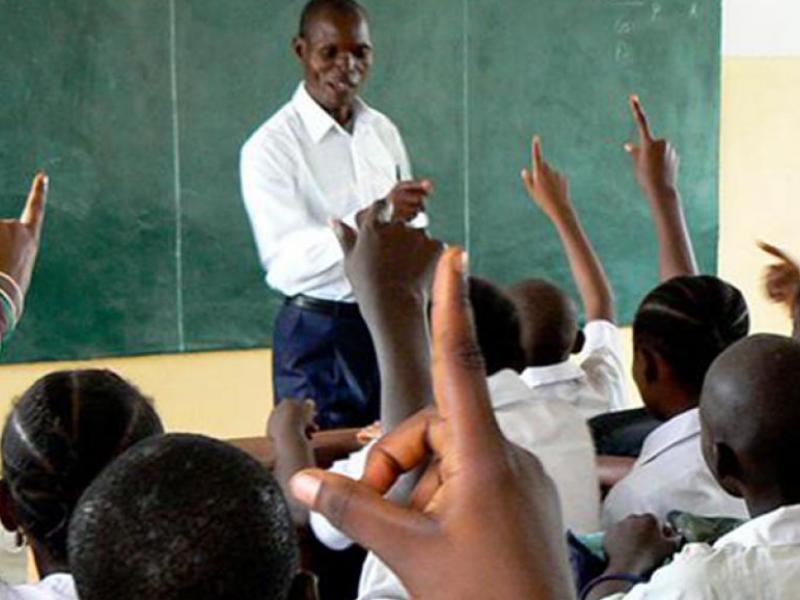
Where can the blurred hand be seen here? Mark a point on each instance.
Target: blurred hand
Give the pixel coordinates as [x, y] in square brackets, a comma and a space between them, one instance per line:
[547, 187]
[781, 279]
[19, 238]
[638, 545]
[403, 204]
[655, 161]
[292, 417]
[492, 528]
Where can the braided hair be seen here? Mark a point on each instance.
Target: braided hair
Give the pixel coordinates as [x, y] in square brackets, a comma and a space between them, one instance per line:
[689, 321]
[60, 434]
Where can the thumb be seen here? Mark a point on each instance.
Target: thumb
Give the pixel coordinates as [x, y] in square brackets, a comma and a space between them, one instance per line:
[344, 234]
[362, 514]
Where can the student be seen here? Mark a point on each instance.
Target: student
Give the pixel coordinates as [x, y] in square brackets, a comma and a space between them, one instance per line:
[488, 528]
[679, 329]
[59, 435]
[19, 246]
[325, 154]
[192, 519]
[750, 415]
[549, 321]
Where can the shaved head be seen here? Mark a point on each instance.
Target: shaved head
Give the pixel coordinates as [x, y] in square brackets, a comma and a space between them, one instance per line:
[750, 413]
[548, 321]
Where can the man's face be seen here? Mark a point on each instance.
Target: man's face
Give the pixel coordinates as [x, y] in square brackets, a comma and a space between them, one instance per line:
[336, 55]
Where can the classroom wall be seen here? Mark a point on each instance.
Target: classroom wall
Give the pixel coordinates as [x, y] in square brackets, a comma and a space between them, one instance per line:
[227, 394]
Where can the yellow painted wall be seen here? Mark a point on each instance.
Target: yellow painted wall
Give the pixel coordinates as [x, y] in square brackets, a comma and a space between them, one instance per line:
[228, 394]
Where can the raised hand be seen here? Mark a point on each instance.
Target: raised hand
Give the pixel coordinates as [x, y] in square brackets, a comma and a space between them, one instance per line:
[781, 279]
[492, 529]
[655, 161]
[292, 417]
[547, 187]
[405, 201]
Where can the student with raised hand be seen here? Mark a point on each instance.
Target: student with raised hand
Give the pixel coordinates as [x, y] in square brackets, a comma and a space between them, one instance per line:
[550, 330]
[19, 246]
[59, 435]
[755, 458]
[192, 519]
[782, 283]
[679, 329]
[491, 529]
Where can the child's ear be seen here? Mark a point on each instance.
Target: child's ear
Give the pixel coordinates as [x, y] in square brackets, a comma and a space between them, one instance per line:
[304, 587]
[652, 365]
[580, 340]
[8, 515]
[726, 469]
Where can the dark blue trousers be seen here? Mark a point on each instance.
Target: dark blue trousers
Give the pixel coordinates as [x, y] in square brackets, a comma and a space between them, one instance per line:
[330, 359]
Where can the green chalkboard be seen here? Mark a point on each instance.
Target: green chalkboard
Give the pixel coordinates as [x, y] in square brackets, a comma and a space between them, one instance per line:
[138, 108]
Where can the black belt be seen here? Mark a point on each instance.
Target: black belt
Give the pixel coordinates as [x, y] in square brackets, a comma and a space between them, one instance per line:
[326, 307]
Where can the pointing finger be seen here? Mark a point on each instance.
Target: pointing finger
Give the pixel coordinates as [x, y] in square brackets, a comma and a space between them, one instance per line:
[33, 213]
[775, 251]
[645, 134]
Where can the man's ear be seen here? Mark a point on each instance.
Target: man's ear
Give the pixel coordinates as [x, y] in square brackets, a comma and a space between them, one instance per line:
[304, 587]
[580, 340]
[299, 46]
[726, 469]
[8, 515]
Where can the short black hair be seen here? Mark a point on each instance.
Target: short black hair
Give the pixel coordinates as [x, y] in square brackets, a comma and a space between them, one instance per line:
[315, 7]
[689, 321]
[496, 326]
[183, 517]
[58, 437]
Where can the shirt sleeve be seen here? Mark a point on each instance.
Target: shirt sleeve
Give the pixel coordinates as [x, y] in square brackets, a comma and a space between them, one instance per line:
[353, 467]
[285, 232]
[601, 361]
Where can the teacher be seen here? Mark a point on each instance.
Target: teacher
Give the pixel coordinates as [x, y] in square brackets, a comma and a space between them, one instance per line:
[325, 154]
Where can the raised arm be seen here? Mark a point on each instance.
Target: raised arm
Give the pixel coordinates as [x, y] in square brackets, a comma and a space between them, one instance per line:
[550, 191]
[655, 163]
[782, 283]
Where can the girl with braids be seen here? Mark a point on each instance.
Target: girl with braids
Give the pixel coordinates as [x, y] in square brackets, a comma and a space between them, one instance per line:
[60, 434]
[680, 328]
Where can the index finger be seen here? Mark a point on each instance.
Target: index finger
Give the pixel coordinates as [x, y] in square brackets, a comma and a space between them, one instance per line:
[775, 251]
[459, 375]
[641, 120]
[536, 151]
[33, 213]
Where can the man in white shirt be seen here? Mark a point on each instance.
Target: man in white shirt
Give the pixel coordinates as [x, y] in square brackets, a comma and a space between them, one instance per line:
[750, 416]
[324, 155]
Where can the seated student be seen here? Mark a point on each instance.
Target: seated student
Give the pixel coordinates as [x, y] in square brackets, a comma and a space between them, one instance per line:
[750, 415]
[191, 519]
[549, 321]
[488, 527]
[679, 329]
[59, 435]
[19, 245]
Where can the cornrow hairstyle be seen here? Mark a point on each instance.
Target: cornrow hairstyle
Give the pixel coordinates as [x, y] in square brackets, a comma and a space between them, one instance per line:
[315, 7]
[60, 434]
[193, 519]
[689, 321]
[497, 326]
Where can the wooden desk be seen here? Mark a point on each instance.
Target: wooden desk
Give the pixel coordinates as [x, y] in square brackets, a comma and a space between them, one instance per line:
[328, 446]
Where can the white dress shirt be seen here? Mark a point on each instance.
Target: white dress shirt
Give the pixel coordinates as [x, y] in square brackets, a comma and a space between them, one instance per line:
[299, 170]
[670, 474]
[759, 560]
[595, 383]
[59, 586]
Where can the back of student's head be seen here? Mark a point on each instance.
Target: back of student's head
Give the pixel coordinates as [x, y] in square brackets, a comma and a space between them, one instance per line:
[191, 519]
[496, 325]
[750, 413]
[687, 322]
[60, 434]
[549, 322]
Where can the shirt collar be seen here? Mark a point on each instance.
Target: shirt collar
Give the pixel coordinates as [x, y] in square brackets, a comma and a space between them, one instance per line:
[781, 527]
[565, 371]
[507, 387]
[678, 429]
[317, 121]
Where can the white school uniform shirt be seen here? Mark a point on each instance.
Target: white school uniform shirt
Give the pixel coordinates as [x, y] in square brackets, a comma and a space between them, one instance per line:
[671, 474]
[59, 586]
[759, 560]
[299, 170]
[594, 384]
[549, 428]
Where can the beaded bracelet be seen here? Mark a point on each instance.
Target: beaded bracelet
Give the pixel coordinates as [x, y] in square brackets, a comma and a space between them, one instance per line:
[629, 577]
